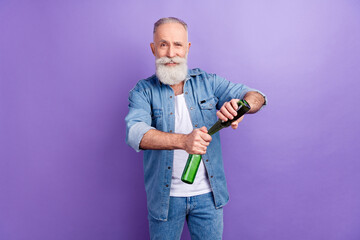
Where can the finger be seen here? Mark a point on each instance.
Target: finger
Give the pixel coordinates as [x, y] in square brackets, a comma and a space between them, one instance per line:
[221, 116]
[240, 119]
[200, 152]
[197, 148]
[203, 150]
[204, 143]
[235, 124]
[202, 140]
[225, 112]
[234, 104]
[229, 106]
[200, 147]
[206, 137]
[203, 129]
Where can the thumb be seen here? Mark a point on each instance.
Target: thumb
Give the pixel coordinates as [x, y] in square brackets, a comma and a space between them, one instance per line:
[240, 119]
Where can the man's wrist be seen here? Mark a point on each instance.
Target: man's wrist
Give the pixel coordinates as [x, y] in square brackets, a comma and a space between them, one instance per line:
[180, 141]
[255, 100]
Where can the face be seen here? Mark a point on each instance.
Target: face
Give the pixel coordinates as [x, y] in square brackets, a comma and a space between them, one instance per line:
[170, 40]
[170, 48]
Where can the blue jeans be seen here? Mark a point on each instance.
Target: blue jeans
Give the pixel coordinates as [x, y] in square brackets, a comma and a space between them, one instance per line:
[203, 219]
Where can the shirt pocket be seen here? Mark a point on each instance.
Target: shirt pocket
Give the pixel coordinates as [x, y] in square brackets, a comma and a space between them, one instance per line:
[208, 110]
[157, 118]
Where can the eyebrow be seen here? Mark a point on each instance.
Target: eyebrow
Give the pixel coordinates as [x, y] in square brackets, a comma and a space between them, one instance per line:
[164, 41]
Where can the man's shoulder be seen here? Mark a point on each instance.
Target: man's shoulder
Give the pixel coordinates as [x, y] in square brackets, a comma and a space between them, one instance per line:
[203, 75]
[197, 71]
[145, 83]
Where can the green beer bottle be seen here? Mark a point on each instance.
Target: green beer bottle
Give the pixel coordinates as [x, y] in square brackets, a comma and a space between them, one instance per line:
[193, 161]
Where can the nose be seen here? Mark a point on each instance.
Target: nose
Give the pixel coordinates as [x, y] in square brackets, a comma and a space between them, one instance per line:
[171, 52]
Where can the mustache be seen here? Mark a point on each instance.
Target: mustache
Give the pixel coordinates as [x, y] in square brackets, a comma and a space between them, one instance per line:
[165, 60]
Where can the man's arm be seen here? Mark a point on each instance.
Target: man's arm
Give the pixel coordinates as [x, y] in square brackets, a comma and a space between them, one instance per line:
[225, 91]
[195, 142]
[228, 110]
[141, 135]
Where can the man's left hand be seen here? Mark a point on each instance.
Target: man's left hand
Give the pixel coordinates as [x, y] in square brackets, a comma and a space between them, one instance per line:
[228, 111]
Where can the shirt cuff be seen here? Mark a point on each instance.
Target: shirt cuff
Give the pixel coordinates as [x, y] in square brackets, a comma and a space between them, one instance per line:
[136, 133]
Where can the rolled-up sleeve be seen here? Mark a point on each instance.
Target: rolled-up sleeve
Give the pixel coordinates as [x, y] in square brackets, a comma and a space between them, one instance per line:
[138, 120]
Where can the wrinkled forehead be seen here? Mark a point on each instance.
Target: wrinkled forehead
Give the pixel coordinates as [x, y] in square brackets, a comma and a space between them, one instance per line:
[171, 32]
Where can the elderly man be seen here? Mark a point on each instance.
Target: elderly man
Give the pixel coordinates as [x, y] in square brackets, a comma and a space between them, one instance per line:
[169, 114]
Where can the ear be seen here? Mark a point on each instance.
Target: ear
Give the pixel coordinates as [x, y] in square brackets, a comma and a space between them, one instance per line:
[152, 46]
[189, 47]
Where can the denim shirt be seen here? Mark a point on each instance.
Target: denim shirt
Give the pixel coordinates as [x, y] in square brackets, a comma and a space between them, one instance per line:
[151, 106]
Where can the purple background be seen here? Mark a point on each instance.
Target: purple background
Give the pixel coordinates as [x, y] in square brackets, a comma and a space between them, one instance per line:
[66, 68]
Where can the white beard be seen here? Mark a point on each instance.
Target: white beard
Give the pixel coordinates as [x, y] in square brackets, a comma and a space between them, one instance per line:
[171, 75]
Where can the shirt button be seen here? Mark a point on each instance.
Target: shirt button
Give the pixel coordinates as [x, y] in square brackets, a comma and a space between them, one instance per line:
[195, 125]
[167, 185]
[171, 113]
[170, 96]
[170, 131]
[207, 160]
[186, 92]
[191, 108]
[169, 167]
[212, 176]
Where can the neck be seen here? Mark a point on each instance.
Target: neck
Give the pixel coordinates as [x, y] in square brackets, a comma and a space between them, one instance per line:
[178, 88]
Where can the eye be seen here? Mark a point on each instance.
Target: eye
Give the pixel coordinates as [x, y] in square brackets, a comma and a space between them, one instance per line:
[162, 44]
[178, 44]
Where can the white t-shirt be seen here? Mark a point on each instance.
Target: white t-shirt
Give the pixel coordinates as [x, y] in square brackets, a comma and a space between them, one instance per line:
[201, 183]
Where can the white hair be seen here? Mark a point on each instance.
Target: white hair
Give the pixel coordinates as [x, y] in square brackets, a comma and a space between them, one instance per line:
[169, 20]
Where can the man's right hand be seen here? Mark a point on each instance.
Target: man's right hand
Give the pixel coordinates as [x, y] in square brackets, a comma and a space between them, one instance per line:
[197, 141]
